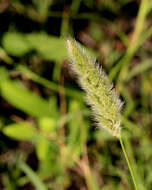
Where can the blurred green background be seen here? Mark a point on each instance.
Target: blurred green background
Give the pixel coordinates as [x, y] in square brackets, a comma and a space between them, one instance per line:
[48, 137]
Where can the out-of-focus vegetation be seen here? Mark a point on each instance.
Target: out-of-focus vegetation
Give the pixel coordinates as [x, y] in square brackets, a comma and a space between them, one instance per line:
[48, 138]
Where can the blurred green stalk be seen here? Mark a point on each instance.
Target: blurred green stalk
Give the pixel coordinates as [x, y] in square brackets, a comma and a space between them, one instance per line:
[133, 45]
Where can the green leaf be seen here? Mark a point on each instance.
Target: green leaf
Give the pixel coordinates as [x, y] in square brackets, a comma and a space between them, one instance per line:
[24, 99]
[4, 73]
[47, 124]
[15, 44]
[5, 57]
[31, 175]
[20, 131]
[48, 47]
[42, 148]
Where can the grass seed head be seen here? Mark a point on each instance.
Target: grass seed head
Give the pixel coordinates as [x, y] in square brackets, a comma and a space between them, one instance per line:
[100, 94]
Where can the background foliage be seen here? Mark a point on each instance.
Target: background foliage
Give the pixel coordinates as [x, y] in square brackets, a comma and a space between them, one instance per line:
[48, 139]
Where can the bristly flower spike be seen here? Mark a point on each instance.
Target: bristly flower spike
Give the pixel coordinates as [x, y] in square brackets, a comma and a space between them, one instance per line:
[100, 94]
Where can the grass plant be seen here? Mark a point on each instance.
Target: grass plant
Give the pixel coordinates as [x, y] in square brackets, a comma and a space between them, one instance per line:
[100, 94]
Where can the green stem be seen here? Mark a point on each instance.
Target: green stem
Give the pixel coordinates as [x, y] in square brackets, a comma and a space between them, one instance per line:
[128, 162]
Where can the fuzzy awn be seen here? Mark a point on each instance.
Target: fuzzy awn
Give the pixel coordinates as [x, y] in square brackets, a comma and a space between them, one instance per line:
[100, 93]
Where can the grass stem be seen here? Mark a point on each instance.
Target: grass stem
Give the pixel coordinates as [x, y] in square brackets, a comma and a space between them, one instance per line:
[128, 162]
